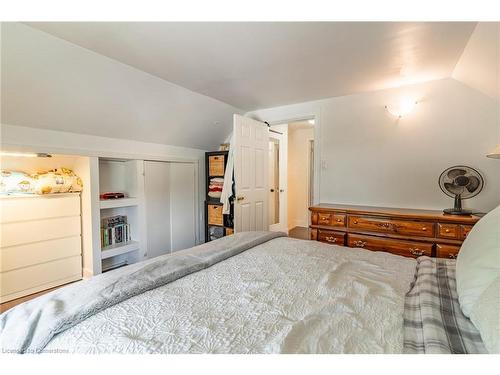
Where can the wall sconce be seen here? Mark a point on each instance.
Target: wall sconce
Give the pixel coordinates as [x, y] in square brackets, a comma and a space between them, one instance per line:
[404, 107]
[495, 154]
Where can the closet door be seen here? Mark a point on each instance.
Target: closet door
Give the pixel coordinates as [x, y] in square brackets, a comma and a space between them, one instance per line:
[183, 205]
[157, 194]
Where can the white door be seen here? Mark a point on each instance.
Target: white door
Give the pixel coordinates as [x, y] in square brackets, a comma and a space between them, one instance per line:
[183, 205]
[157, 194]
[251, 164]
[278, 210]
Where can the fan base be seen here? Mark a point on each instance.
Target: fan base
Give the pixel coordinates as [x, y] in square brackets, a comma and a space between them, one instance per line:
[454, 211]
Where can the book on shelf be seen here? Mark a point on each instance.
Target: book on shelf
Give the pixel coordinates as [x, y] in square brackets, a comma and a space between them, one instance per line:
[114, 230]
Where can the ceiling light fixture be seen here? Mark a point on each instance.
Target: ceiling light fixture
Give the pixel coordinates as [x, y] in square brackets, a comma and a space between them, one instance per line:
[404, 107]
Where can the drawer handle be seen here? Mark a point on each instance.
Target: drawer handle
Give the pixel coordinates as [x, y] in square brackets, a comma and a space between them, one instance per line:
[359, 243]
[355, 221]
[452, 256]
[339, 220]
[331, 239]
[447, 231]
[424, 228]
[416, 251]
[384, 225]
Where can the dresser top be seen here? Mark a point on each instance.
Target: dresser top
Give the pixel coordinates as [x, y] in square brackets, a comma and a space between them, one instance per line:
[396, 212]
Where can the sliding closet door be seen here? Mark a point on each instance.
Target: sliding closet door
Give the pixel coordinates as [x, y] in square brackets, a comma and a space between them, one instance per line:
[183, 205]
[157, 192]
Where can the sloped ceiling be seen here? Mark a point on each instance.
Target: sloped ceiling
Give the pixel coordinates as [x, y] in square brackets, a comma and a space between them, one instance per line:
[479, 65]
[260, 65]
[180, 83]
[52, 84]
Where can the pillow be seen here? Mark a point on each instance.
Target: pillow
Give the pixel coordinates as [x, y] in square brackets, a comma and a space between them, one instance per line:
[14, 182]
[478, 262]
[485, 315]
[60, 180]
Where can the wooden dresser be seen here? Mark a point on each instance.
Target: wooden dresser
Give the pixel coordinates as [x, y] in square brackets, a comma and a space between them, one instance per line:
[407, 232]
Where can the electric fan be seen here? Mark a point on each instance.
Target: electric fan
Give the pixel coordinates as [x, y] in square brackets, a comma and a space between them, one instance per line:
[460, 182]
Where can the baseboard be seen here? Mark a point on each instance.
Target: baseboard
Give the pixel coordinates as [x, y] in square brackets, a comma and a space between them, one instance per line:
[298, 223]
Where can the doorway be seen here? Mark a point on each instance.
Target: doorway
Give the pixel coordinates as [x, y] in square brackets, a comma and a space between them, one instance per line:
[278, 179]
[291, 177]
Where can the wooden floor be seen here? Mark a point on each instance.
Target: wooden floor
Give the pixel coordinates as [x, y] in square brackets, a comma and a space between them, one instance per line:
[299, 232]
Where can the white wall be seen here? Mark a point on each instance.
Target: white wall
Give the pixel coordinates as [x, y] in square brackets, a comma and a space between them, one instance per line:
[371, 158]
[298, 165]
[479, 65]
[49, 83]
[18, 138]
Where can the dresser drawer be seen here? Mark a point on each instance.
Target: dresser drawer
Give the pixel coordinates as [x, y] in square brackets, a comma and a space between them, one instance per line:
[448, 230]
[23, 281]
[338, 220]
[39, 207]
[406, 248]
[331, 219]
[332, 237]
[464, 231]
[393, 226]
[20, 256]
[24, 232]
[323, 218]
[447, 251]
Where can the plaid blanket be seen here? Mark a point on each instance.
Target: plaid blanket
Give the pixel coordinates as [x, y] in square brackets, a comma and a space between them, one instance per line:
[433, 320]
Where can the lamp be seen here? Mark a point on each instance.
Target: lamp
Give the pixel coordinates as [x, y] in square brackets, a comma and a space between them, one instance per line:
[404, 107]
[495, 154]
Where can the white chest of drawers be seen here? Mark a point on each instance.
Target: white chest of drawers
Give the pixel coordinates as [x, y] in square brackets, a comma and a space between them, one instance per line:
[40, 243]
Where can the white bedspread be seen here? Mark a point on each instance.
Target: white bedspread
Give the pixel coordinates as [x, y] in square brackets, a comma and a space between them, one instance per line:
[284, 296]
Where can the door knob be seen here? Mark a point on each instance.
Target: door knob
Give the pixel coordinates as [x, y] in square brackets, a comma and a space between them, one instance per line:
[272, 190]
[239, 199]
[281, 190]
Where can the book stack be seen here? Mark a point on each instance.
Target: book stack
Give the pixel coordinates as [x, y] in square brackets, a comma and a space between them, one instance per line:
[114, 230]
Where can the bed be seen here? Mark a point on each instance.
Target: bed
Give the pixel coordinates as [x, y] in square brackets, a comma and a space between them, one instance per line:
[253, 292]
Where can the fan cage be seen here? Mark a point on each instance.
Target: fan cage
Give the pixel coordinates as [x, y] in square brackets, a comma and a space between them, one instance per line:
[469, 170]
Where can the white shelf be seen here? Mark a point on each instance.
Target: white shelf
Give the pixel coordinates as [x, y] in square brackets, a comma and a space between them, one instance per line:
[121, 202]
[118, 249]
